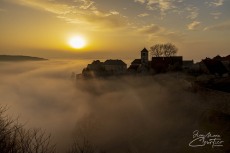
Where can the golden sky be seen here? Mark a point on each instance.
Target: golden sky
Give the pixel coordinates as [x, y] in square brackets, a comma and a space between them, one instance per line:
[114, 28]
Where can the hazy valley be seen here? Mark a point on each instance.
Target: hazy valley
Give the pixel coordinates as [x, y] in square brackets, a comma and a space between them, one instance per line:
[127, 114]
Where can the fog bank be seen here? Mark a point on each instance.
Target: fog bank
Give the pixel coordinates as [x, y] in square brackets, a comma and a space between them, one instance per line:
[128, 114]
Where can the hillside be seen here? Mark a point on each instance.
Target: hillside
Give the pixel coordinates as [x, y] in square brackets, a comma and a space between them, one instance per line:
[19, 58]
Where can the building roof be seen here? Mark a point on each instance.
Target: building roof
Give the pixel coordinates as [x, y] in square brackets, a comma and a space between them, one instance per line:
[114, 62]
[136, 62]
[188, 62]
[227, 58]
[96, 62]
[133, 67]
[215, 66]
[171, 59]
[219, 58]
[144, 50]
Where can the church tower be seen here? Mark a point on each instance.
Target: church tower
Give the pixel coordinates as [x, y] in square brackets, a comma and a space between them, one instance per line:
[144, 56]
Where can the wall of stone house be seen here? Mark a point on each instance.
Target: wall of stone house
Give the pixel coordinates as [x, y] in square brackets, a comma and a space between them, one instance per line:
[203, 68]
[226, 64]
[115, 68]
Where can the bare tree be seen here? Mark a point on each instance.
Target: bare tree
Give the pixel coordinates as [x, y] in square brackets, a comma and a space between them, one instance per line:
[157, 50]
[84, 138]
[82, 145]
[14, 138]
[165, 50]
[170, 50]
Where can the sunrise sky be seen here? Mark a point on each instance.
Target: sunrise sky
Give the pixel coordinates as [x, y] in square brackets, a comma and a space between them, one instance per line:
[114, 28]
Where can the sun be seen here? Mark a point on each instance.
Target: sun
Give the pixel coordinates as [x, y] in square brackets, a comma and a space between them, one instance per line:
[77, 42]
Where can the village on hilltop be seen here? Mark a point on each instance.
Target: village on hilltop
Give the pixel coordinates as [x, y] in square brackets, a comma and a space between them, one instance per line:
[216, 67]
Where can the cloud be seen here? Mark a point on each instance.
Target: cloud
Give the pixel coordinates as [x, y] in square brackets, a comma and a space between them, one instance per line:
[216, 15]
[162, 5]
[114, 13]
[87, 4]
[160, 34]
[194, 25]
[166, 36]
[151, 29]
[143, 15]
[219, 27]
[171, 36]
[193, 12]
[79, 11]
[172, 6]
[140, 1]
[215, 3]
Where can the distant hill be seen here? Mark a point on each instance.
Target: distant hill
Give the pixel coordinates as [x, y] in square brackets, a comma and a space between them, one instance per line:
[16, 58]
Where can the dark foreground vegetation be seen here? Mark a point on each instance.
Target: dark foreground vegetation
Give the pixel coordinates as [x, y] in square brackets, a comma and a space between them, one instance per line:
[14, 138]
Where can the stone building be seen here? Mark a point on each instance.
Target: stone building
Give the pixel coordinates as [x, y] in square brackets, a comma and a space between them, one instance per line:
[115, 66]
[103, 69]
[164, 64]
[140, 65]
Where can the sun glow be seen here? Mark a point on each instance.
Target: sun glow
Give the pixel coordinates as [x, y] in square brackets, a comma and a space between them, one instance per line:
[77, 42]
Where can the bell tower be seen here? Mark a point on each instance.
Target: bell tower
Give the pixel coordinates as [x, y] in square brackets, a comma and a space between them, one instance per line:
[144, 56]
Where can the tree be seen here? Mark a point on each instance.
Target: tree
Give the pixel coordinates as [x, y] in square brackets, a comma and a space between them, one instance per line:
[157, 50]
[165, 50]
[14, 138]
[170, 50]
